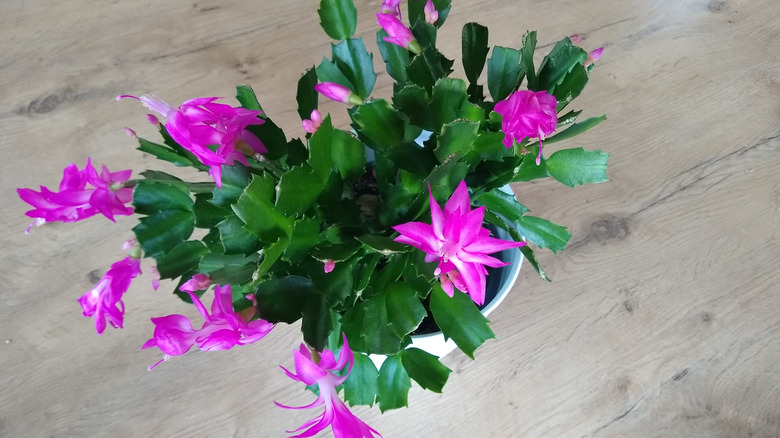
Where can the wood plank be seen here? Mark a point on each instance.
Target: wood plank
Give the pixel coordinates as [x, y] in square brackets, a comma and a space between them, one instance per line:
[663, 318]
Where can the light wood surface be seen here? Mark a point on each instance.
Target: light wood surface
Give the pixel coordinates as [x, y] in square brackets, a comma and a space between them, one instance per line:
[663, 319]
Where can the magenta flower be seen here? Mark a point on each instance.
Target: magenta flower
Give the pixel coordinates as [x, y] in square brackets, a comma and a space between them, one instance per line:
[455, 238]
[528, 114]
[76, 200]
[196, 283]
[104, 301]
[338, 92]
[313, 123]
[222, 329]
[431, 14]
[337, 415]
[200, 123]
[398, 33]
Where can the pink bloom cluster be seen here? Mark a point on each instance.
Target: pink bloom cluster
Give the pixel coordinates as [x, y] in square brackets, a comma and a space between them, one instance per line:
[320, 371]
[456, 239]
[221, 330]
[106, 194]
[202, 122]
[104, 301]
[528, 114]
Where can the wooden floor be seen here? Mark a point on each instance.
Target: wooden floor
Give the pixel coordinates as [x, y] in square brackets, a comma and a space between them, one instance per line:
[663, 317]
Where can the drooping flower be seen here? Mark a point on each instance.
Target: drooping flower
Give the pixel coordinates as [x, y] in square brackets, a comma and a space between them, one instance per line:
[321, 372]
[106, 194]
[196, 283]
[398, 33]
[431, 14]
[528, 114]
[313, 123]
[456, 239]
[104, 301]
[201, 124]
[391, 7]
[338, 92]
[222, 329]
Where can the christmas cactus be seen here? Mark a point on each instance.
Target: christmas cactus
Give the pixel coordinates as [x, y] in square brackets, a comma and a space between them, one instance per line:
[357, 233]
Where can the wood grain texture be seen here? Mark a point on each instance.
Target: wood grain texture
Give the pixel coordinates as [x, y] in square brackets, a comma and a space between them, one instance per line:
[663, 319]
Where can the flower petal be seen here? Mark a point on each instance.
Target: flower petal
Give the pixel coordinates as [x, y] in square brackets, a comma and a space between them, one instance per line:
[418, 234]
[307, 370]
[459, 201]
[474, 278]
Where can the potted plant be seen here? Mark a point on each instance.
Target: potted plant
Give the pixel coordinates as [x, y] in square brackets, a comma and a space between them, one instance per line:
[358, 232]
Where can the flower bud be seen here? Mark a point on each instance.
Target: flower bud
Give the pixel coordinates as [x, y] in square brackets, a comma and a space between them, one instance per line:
[338, 92]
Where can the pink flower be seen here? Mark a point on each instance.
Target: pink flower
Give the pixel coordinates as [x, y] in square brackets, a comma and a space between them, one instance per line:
[222, 329]
[200, 123]
[104, 301]
[576, 38]
[431, 14]
[593, 56]
[196, 283]
[528, 114]
[398, 33]
[319, 370]
[458, 242]
[391, 7]
[338, 92]
[313, 123]
[76, 201]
